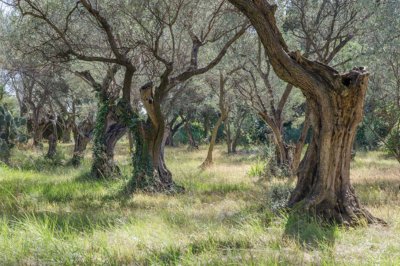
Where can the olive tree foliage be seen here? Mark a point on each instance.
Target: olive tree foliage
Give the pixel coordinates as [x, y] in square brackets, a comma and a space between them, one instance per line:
[184, 106]
[220, 85]
[187, 39]
[270, 98]
[381, 126]
[49, 96]
[11, 132]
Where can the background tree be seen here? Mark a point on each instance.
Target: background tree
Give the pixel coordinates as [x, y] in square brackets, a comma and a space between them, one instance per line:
[220, 88]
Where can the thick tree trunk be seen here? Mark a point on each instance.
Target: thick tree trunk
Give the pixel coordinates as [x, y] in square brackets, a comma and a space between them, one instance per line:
[108, 130]
[151, 173]
[82, 136]
[324, 174]
[336, 108]
[150, 170]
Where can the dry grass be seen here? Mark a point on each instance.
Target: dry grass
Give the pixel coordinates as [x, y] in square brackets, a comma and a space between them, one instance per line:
[53, 214]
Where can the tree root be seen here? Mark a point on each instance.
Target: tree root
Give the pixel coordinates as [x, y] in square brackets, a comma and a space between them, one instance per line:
[154, 185]
[350, 215]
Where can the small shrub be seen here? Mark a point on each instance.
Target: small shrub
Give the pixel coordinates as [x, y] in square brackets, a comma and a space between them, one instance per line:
[278, 196]
[257, 169]
[40, 163]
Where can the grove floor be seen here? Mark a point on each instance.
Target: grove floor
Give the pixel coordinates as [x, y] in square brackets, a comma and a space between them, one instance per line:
[54, 214]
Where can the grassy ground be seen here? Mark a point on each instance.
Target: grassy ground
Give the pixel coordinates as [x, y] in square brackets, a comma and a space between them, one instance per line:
[53, 214]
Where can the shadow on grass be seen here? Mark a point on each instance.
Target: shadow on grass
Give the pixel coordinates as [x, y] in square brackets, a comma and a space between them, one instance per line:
[309, 231]
[172, 255]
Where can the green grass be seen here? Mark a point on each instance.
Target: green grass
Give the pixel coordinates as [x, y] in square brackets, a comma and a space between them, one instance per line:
[52, 214]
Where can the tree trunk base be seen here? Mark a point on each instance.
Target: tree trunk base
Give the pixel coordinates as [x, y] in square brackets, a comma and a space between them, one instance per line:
[153, 184]
[106, 169]
[76, 160]
[206, 164]
[347, 211]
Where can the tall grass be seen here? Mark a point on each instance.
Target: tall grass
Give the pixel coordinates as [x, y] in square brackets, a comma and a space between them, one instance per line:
[57, 215]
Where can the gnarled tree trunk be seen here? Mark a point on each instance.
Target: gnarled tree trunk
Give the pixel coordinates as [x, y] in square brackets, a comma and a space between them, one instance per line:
[324, 174]
[83, 133]
[150, 170]
[110, 123]
[108, 130]
[336, 108]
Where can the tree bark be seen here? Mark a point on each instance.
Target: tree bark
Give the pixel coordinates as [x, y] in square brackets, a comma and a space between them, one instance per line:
[223, 116]
[110, 123]
[108, 130]
[238, 133]
[336, 108]
[83, 133]
[209, 159]
[52, 140]
[298, 150]
[324, 174]
[228, 137]
[282, 151]
[191, 140]
[151, 172]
